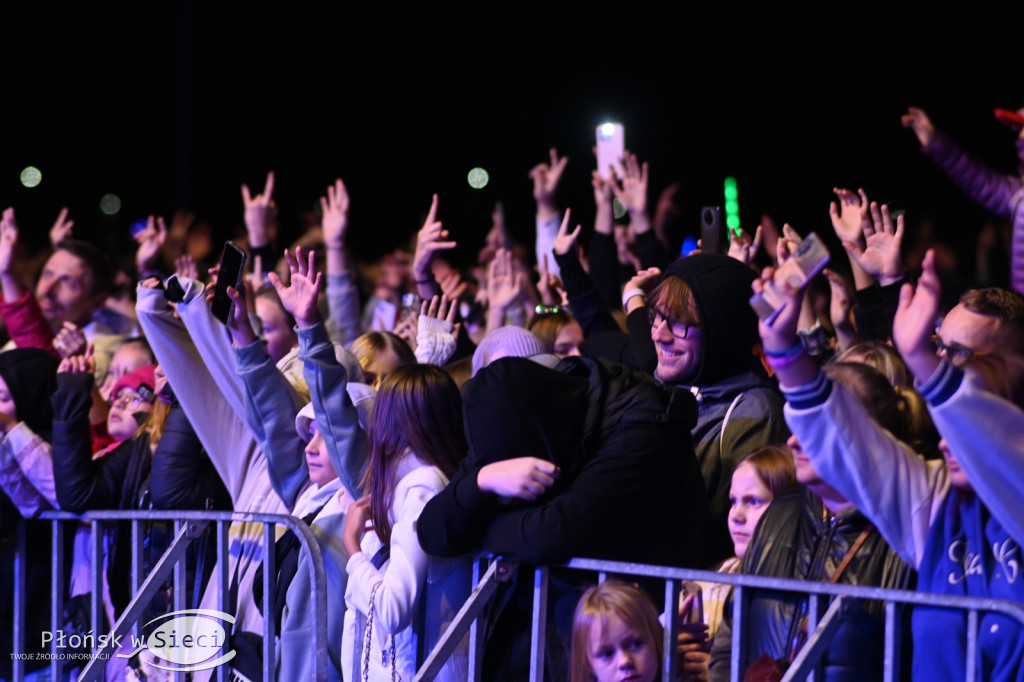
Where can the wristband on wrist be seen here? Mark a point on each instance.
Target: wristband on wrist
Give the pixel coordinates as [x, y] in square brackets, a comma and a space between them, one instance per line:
[630, 293]
[778, 362]
[795, 349]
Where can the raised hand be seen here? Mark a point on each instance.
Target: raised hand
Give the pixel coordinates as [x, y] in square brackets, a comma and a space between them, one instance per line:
[524, 478]
[150, 241]
[841, 309]
[335, 215]
[299, 297]
[846, 215]
[440, 308]
[61, 229]
[881, 256]
[69, 340]
[238, 322]
[184, 266]
[566, 241]
[260, 213]
[549, 286]
[546, 177]
[743, 248]
[914, 324]
[78, 364]
[633, 192]
[788, 243]
[8, 240]
[429, 241]
[504, 285]
[920, 123]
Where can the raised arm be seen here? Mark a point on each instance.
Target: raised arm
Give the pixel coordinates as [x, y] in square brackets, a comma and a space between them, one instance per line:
[344, 320]
[545, 177]
[430, 240]
[336, 404]
[220, 428]
[270, 407]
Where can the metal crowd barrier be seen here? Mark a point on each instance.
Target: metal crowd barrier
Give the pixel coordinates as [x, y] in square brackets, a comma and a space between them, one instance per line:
[188, 527]
[488, 574]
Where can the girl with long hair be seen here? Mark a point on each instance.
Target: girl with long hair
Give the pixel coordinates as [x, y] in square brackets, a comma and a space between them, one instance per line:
[416, 443]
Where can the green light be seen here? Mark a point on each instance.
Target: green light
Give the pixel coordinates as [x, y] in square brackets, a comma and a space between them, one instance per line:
[730, 188]
[733, 221]
[732, 207]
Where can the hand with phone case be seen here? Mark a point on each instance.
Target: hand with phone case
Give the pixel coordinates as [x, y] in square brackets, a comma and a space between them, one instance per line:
[229, 274]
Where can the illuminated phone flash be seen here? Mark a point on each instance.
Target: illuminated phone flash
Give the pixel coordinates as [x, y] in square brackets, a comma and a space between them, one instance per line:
[30, 177]
[607, 130]
[478, 178]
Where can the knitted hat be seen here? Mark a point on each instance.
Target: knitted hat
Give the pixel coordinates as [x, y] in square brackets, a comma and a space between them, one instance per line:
[303, 419]
[505, 342]
[141, 381]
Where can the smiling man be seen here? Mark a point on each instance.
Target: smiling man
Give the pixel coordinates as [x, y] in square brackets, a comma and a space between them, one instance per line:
[704, 333]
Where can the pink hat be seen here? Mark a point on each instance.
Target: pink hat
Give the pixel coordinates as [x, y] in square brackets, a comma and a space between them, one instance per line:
[141, 381]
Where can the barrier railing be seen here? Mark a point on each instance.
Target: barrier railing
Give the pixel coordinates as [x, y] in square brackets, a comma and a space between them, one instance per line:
[188, 527]
[489, 573]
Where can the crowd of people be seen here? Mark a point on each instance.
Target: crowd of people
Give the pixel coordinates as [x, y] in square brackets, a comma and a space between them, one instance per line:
[621, 400]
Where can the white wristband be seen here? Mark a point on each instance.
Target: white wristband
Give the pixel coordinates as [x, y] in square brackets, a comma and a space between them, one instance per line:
[630, 293]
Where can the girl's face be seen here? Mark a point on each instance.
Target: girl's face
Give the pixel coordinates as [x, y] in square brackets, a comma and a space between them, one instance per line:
[321, 471]
[121, 424]
[957, 477]
[619, 653]
[750, 498]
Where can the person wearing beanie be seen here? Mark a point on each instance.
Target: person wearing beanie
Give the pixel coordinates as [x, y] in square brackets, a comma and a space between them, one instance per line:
[505, 342]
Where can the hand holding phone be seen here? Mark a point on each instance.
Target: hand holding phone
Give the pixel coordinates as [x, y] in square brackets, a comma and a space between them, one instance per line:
[808, 259]
[711, 232]
[229, 274]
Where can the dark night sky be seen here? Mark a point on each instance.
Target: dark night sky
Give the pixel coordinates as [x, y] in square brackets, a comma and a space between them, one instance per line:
[175, 107]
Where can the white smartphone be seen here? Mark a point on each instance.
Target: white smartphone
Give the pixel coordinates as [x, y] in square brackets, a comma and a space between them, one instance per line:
[806, 262]
[611, 147]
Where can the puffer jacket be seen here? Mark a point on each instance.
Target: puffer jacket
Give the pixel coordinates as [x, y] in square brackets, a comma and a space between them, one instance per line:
[798, 538]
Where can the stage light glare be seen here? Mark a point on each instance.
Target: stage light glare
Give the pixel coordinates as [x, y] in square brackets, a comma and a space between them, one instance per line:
[110, 204]
[30, 177]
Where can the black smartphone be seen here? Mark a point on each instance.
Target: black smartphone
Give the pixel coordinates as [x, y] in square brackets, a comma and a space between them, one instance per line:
[232, 265]
[711, 235]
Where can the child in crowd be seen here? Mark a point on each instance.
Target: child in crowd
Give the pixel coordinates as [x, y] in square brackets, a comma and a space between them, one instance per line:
[615, 636]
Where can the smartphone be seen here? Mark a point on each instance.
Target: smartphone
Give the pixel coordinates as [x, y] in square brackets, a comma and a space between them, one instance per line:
[711, 233]
[232, 265]
[385, 314]
[611, 147]
[806, 262]
[411, 304]
[696, 612]
[1010, 119]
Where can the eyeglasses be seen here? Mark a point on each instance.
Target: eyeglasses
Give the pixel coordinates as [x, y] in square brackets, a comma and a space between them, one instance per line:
[680, 330]
[953, 351]
[130, 401]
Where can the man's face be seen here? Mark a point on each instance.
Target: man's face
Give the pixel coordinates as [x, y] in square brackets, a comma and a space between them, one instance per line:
[64, 290]
[963, 332]
[680, 349]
